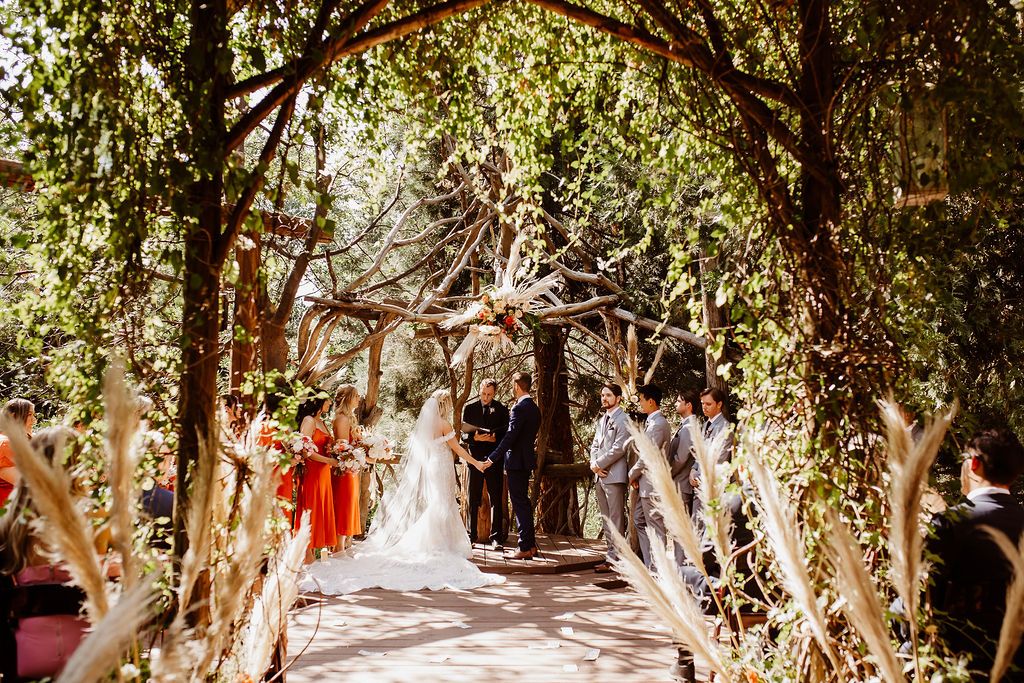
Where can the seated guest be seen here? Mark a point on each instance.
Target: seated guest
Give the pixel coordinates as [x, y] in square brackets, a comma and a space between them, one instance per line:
[158, 499]
[39, 608]
[24, 412]
[971, 575]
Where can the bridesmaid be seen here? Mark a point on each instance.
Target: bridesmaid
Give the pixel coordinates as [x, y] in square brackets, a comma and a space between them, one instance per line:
[316, 494]
[23, 412]
[346, 485]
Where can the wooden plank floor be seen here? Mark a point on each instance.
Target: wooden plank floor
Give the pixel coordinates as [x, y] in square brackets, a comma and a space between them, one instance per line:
[534, 628]
[557, 555]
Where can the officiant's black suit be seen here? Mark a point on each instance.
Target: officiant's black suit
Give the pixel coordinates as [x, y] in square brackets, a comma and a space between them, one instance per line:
[516, 452]
[493, 417]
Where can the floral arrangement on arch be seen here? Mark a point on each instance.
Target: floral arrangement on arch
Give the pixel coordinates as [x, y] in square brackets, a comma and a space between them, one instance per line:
[351, 456]
[504, 309]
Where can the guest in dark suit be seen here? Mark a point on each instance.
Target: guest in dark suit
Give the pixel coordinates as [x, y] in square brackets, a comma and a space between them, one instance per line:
[516, 453]
[971, 574]
[485, 422]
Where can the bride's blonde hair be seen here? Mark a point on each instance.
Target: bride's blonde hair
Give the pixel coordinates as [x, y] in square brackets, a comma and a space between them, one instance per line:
[444, 403]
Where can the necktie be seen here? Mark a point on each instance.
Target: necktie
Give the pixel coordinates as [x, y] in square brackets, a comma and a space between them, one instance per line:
[707, 430]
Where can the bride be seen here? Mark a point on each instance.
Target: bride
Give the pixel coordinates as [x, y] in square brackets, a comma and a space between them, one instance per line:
[417, 539]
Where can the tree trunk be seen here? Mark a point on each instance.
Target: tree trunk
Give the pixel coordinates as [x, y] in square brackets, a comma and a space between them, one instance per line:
[558, 509]
[197, 406]
[275, 325]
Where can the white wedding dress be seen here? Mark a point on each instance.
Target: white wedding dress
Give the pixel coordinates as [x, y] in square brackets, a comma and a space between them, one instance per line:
[417, 539]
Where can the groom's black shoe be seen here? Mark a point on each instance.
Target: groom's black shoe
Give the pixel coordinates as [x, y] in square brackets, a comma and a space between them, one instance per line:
[524, 554]
[496, 545]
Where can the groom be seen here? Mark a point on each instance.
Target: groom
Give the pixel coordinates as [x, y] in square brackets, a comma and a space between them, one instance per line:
[515, 451]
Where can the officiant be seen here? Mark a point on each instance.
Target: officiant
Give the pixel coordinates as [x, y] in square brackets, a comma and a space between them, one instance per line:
[484, 423]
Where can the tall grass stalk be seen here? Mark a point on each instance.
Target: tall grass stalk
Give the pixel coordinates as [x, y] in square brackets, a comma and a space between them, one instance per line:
[779, 521]
[860, 601]
[1013, 621]
[122, 420]
[672, 600]
[269, 613]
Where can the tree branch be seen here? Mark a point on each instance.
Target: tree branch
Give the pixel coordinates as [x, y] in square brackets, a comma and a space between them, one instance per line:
[341, 44]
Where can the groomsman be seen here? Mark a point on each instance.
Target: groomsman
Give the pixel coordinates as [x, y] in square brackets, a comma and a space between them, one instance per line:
[608, 463]
[681, 447]
[487, 421]
[712, 402]
[648, 520]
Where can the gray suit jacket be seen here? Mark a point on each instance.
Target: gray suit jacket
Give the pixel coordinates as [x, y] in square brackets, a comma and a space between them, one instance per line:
[608, 450]
[657, 429]
[681, 452]
[711, 430]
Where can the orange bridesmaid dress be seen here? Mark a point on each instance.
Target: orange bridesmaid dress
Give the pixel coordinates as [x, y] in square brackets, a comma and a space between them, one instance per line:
[317, 496]
[285, 487]
[346, 503]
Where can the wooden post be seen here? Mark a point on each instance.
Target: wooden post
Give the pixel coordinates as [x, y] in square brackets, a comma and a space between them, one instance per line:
[714, 318]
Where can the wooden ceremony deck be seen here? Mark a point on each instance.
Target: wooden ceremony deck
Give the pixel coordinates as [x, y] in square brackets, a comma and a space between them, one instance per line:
[545, 625]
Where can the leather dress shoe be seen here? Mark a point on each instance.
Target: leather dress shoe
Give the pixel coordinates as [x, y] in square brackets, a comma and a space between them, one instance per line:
[603, 568]
[496, 545]
[524, 554]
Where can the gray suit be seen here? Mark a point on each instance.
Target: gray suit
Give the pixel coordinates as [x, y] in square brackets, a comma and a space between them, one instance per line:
[646, 518]
[608, 451]
[712, 429]
[681, 452]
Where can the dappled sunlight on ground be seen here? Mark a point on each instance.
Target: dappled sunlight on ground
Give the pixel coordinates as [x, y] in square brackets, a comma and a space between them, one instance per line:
[532, 628]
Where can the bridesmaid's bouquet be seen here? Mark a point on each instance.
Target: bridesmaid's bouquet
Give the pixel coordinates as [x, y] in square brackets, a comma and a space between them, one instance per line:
[351, 457]
[301, 447]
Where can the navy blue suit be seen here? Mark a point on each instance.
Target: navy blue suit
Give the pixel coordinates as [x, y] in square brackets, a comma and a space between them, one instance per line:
[970, 582]
[516, 453]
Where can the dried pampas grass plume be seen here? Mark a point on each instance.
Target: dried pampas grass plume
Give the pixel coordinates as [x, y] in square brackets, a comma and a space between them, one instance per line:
[267, 619]
[122, 418]
[649, 375]
[668, 501]
[860, 599]
[180, 648]
[1013, 621]
[780, 524]
[67, 530]
[713, 481]
[909, 463]
[671, 599]
[244, 558]
[102, 649]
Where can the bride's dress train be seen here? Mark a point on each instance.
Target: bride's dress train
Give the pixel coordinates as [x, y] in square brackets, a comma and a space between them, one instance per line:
[417, 539]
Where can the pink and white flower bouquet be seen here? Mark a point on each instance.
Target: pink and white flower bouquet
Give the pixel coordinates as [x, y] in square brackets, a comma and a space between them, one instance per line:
[351, 457]
[301, 446]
